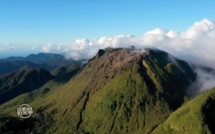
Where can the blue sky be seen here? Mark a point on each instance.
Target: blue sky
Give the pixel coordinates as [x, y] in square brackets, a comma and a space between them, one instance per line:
[38, 22]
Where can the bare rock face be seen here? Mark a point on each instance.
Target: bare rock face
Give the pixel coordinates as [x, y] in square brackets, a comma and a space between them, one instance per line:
[100, 53]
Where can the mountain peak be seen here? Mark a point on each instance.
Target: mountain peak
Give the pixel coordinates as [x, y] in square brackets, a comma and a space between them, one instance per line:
[157, 66]
[100, 53]
[127, 55]
[122, 90]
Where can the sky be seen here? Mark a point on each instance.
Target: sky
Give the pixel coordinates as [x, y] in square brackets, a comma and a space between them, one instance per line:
[30, 26]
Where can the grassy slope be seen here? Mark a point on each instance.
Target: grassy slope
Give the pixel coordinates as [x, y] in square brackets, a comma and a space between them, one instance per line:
[14, 84]
[123, 105]
[195, 117]
[65, 69]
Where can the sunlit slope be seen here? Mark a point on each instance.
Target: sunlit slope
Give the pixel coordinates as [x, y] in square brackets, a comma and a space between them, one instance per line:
[118, 91]
[196, 117]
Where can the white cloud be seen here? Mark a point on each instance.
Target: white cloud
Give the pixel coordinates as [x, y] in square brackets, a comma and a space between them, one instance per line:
[199, 29]
[204, 81]
[47, 48]
[8, 46]
[196, 44]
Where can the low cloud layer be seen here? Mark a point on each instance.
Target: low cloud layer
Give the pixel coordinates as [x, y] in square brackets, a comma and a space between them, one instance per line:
[205, 80]
[196, 44]
[7, 47]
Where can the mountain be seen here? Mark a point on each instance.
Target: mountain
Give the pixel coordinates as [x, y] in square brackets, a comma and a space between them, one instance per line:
[117, 91]
[37, 58]
[17, 83]
[64, 70]
[12, 66]
[48, 61]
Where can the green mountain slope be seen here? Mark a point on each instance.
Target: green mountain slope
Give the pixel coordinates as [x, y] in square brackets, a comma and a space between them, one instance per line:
[17, 83]
[196, 117]
[65, 69]
[118, 91]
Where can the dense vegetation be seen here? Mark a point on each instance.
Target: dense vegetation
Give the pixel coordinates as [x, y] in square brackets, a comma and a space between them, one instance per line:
[17, 83]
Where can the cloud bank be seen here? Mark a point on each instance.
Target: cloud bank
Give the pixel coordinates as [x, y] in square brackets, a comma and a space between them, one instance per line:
[196, 44]
[205, 80]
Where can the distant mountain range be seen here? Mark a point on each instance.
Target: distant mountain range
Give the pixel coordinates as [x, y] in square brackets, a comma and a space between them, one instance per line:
[123, 90]
[48, 61]
[38, 58]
